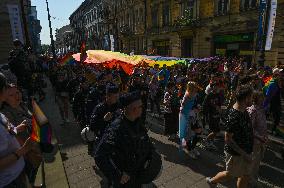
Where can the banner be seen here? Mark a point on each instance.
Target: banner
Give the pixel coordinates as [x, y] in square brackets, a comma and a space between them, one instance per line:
[111, 43]
[271, 25]
[15, 22]
[261, 23]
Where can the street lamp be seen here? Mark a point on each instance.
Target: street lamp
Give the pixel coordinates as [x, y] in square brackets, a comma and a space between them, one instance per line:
[50, 29]
[25, 23]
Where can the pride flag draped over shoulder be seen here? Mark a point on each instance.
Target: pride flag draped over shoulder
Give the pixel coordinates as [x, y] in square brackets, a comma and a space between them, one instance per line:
[267, 82]
[41, 131]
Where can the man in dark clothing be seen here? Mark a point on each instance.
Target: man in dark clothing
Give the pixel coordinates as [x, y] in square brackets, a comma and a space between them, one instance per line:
[238, 141]
[273, 98]
[104, 113]
[212, 105]
[18, 63]
[62, 94]
[125, 151]
[79, 102]
[72, 86]
[94, 97]
[138, 86]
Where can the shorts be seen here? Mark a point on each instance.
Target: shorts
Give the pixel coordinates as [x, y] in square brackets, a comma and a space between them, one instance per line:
[214, 123]
[237, 166]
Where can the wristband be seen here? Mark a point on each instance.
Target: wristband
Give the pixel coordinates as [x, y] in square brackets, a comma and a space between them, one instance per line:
[14, 153]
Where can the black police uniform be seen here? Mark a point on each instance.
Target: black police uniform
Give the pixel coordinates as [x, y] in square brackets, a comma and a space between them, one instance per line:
[79, 105]
[144, 91]
[97, 122]
[125, 148]
[93, 99]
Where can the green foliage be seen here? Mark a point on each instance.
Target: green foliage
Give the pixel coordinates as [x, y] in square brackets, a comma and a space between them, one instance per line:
[186, 19]
[45, 48]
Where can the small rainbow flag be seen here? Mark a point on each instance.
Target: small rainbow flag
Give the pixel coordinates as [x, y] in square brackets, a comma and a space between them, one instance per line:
[67, 60]
[41, 131]
[267, 82]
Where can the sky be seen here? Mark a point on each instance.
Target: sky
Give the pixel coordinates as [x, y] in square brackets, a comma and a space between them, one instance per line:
[60, 10]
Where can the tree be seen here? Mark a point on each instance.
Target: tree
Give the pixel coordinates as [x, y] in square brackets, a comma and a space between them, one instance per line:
[45, 48]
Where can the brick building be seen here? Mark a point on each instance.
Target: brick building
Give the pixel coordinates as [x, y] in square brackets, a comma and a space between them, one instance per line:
[15, 29]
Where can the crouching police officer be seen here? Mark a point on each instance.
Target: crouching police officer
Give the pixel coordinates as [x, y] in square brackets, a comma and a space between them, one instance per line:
[125, 153]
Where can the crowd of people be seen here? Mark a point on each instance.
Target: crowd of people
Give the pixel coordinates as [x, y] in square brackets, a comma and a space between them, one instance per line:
[196, 101]
[20, 83]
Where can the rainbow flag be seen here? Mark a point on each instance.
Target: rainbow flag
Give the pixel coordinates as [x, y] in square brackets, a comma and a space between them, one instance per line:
[67, 60]
[41, 134]
[41, 131]
[267, 82]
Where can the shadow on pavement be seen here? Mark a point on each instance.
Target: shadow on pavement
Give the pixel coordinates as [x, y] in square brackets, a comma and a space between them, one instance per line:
[104, 181]
[272, 168]
[50, 157]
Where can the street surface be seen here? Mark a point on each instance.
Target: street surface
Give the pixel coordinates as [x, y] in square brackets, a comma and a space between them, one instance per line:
[75, 168]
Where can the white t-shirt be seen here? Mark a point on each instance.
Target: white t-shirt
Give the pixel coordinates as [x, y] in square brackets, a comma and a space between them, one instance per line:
[9, 144]
[208, 89]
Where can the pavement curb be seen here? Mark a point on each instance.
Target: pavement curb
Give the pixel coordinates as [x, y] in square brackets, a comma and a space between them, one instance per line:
[53, 169]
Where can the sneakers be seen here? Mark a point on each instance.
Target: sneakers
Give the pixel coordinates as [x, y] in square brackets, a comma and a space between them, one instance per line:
[212, 185]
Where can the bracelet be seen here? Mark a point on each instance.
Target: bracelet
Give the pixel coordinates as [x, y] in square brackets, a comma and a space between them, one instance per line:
[14, 153]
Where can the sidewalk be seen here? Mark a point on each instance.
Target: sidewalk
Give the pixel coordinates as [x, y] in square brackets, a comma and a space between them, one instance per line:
[72, 166]
[54, 173]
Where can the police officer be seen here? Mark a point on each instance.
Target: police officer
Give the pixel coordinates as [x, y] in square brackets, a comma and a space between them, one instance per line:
[104, 113]
[137, 85]
[125, 152]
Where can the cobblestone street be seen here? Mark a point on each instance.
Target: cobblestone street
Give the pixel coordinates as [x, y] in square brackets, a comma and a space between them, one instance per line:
[178, 171]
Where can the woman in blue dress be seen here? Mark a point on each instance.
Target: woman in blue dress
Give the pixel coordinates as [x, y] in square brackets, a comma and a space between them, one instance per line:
[187, 103]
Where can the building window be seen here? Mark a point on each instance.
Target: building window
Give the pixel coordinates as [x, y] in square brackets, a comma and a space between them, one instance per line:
[187, 8]
[222, 7]
[166, 15]
[248, 4]
[141, 15]
[154, 14]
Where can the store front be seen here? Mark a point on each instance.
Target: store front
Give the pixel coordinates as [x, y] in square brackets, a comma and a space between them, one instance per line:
[235, 45]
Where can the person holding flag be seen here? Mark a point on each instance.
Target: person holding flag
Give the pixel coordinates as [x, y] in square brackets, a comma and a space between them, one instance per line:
[11, 152]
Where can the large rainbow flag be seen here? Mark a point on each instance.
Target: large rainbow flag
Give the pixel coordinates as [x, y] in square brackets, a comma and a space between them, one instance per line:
[41, 131]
